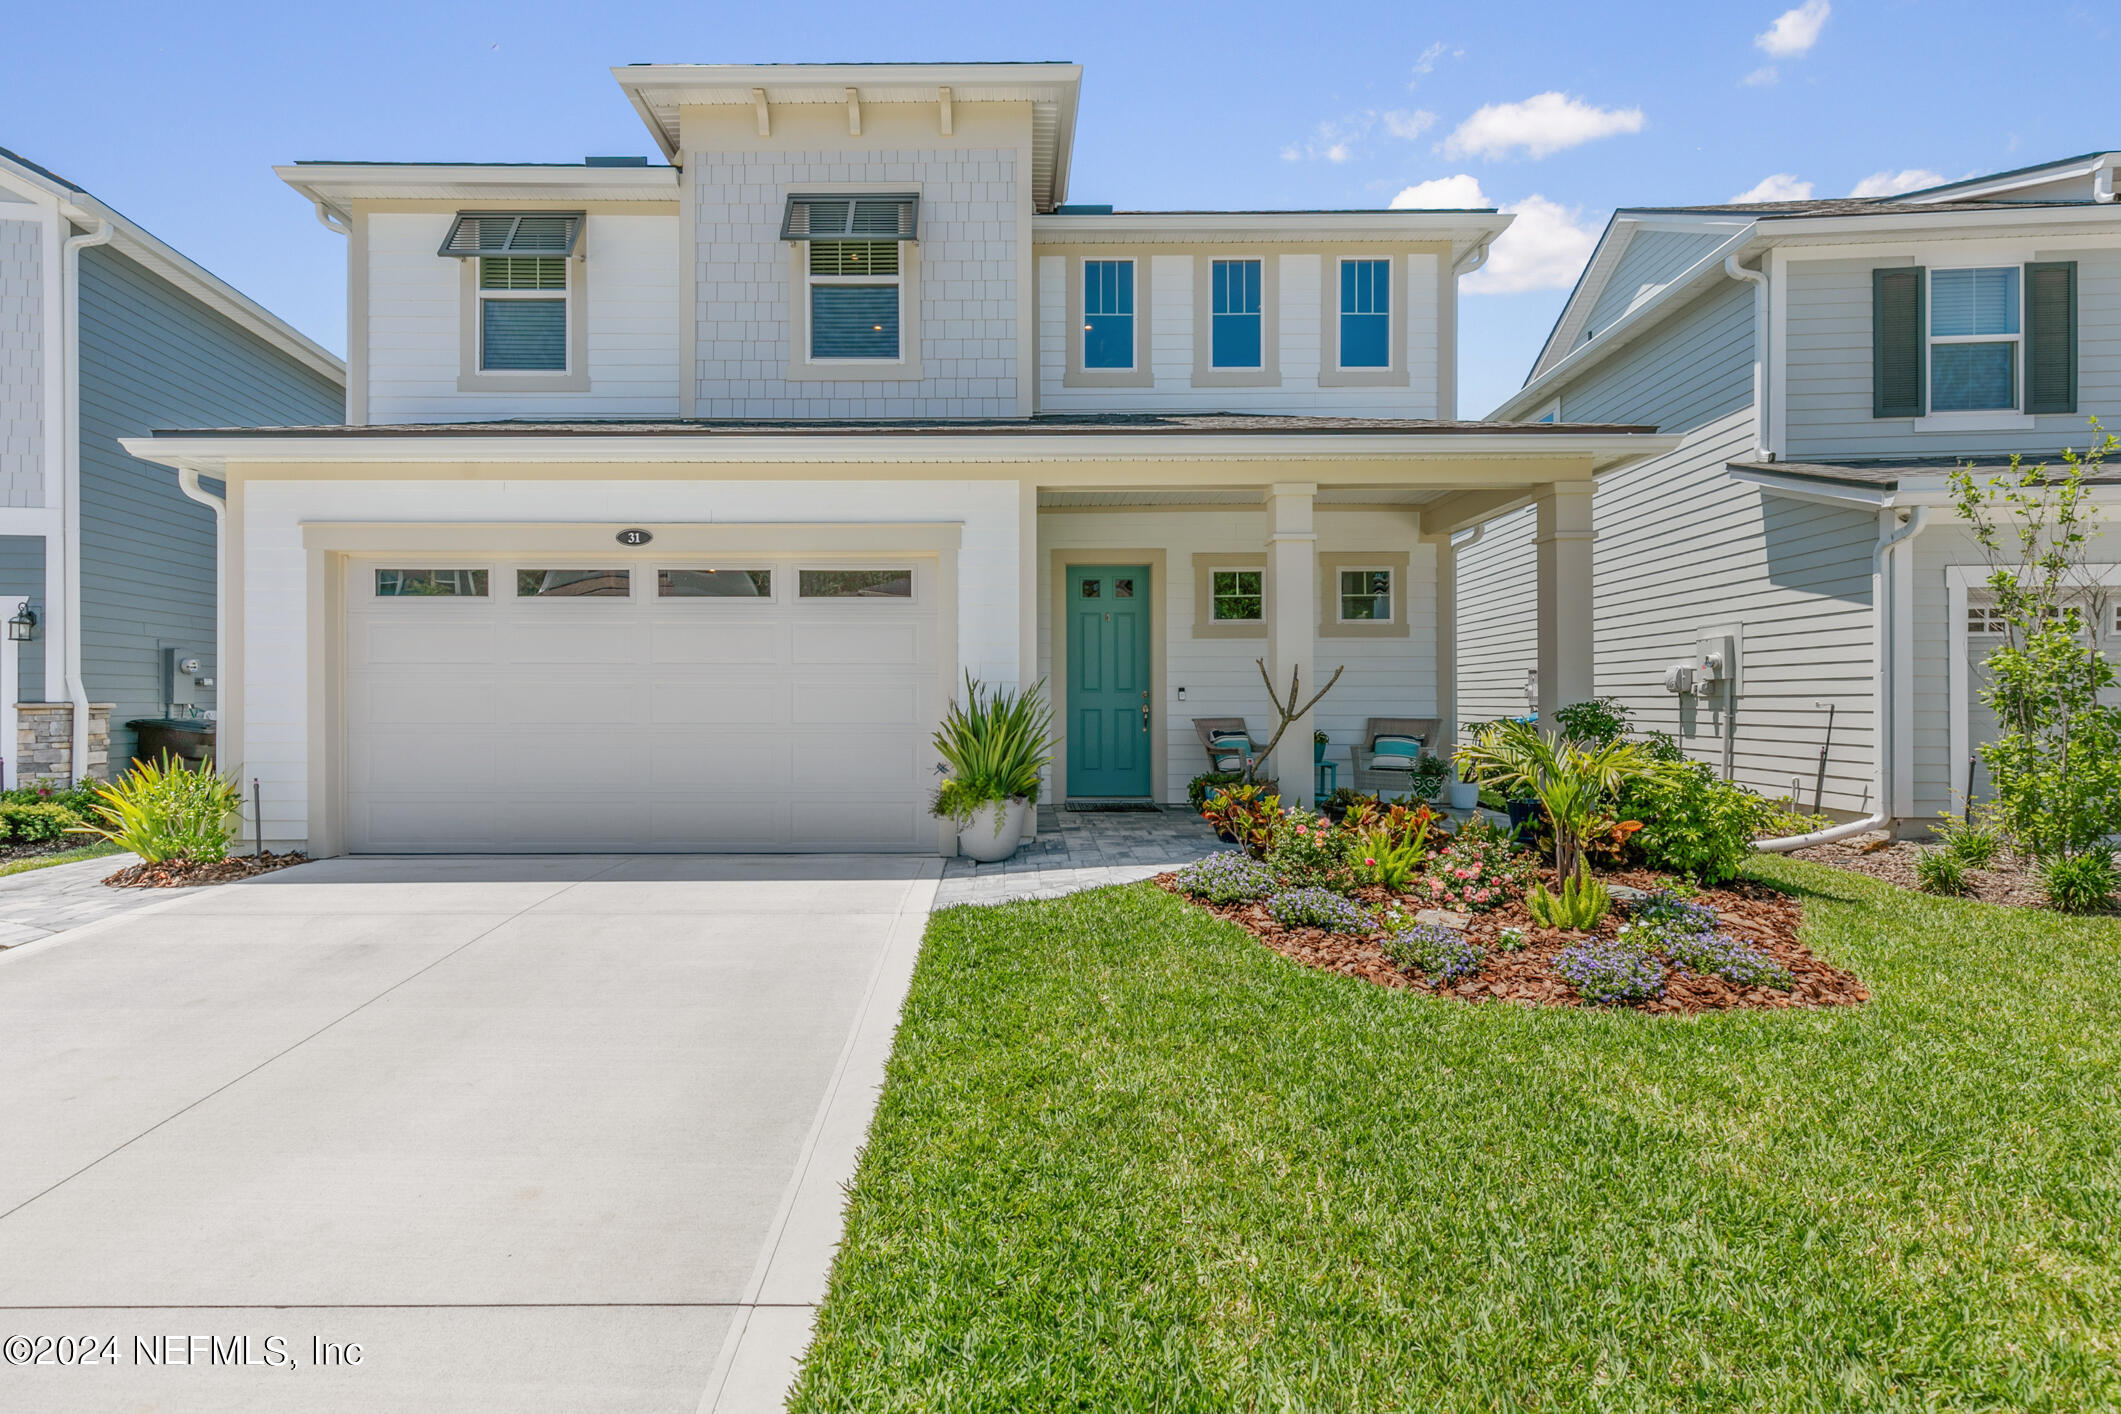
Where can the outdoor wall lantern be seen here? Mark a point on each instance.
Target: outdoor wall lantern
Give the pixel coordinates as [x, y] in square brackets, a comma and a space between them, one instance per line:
[23, 626]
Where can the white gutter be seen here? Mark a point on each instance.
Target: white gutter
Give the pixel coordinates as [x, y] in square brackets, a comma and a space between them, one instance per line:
[1759, 281]
[1473, 259]
[188, 483]
[2103, 182]
[1894, 621]
[329, 219]
[69, 543]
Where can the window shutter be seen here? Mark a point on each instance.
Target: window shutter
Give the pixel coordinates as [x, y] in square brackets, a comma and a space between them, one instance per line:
[2051, 336]
[1896, 343]
[890, 216]
[478, 233]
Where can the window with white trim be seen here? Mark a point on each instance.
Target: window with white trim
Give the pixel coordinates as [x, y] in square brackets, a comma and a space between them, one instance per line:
[1365, 314]
[1237, 596]
[1108, 314]
[1365, 596]
[1235, 330]
[1974, 337]
[523, 266]
[855, 288]
[1985, 621]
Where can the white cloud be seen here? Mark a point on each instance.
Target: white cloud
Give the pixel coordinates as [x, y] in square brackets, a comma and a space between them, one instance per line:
[1335, 139]
[1407, 126]
[1782, 186]
[1766, 76]
[1430, 57]
[1461, 190]
[1544, 248]
[1542, 124]
[1794, 31]
[1894, 183]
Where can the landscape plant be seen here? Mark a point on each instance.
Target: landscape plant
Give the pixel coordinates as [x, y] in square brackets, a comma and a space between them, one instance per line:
[2056, 766]
[34, 822]
[1229, 877]
[1940, 870]
[1574, 781]
[1443, 955]
[1383, 856]
[1478, 870]
[2079, 883]
[1197, 789]
[1308, 852]
[1695, 824]
[1733, 959]
[166, 810]
[1611, 971]
[994, 744]
[1974, 837]
[1320, 908]
[1247, 815]
[1579, 905]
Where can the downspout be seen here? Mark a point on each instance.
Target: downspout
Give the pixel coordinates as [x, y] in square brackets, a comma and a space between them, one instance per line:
[1889, 629]
[1473, 259]
[188, 483]
[2103, 183]
[1759, 281]
[330, 220]
[70, 513]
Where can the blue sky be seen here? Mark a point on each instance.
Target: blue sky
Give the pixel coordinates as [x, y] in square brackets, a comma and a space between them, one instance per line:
[175, 115]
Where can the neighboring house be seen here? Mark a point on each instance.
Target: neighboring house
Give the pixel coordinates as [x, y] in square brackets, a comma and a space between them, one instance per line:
[673, 503]
[1829, 363]
[105, 332]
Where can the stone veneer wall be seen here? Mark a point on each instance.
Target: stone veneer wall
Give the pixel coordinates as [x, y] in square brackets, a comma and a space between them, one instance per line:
[44, 748]
[968, 254]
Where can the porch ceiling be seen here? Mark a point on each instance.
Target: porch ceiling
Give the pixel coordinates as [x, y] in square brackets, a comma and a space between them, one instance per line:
[1049, 499]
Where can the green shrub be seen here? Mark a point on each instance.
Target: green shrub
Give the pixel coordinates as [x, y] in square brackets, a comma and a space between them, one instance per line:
[1307, 852]
[1580, 904]
[1974, 838]
[1695, 824]
[1197, 788]
[2079, 883]
[1940, 871]
[80, 799]
[1595, 722]
[165, 810]
[36, 822]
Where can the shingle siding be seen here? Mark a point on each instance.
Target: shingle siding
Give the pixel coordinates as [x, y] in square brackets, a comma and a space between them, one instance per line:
[152, 357]
[21, 363]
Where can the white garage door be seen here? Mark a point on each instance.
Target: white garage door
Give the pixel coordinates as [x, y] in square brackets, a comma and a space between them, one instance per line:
[517, 706]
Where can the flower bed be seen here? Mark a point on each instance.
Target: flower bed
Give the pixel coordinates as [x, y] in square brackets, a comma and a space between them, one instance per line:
[185, 873]
[1531, 974]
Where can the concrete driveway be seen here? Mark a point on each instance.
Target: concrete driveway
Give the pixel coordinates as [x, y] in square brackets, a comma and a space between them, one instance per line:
[539, 1134]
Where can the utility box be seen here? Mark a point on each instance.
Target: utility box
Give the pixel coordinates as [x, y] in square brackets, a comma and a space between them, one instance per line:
[187, 679]
[1716, 665]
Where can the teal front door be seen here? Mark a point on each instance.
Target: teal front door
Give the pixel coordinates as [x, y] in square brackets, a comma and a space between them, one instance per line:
[1108, 680]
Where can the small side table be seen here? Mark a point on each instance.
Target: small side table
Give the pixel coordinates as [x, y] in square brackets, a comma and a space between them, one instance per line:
[1328, 779]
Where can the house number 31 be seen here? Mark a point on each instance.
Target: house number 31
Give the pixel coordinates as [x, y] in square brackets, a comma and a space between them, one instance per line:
[634, 537]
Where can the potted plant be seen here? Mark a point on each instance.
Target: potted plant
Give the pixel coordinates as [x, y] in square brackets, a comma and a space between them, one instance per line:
[1464, 789]
[994, 745]
[1319, 741]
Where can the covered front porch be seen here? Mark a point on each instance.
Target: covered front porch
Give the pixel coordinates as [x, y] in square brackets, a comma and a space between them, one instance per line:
[1156, 604]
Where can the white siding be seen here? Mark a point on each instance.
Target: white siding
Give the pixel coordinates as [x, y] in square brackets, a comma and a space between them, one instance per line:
[968, 283]
[1302, 307]
[1498, 629]
[414, 330]
[1386, 677]
[22, 362]
[276, 583]
[1829, 360]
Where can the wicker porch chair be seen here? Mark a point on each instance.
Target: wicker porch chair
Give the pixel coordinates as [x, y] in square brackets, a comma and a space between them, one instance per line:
[1383, 775]
[1209, 728]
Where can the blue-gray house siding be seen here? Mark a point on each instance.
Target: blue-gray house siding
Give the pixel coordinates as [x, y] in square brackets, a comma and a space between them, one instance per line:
[152, 356]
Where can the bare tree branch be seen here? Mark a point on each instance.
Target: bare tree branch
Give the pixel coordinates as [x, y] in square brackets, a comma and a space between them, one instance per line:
[1288, 714]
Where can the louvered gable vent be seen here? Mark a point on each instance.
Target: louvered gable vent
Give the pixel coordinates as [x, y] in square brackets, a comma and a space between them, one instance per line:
[887, 216]
[476, 233]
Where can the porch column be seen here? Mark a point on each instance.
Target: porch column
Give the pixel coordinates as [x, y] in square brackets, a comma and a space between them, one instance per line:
[1566, 665]
[1292, 625]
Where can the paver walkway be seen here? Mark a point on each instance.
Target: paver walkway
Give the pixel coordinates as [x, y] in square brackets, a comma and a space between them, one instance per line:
[42, 902]
[1081, 850]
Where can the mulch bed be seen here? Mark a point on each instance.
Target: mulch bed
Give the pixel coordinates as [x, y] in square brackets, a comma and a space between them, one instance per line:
[2011, 881]
[1745, 909]
[184, 874]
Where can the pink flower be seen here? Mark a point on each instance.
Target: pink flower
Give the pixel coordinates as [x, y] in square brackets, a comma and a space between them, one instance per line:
[1370, 863]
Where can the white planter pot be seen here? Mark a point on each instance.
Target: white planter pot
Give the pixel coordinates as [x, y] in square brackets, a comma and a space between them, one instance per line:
[1020, 817]
[990, 835]
[1463, 795]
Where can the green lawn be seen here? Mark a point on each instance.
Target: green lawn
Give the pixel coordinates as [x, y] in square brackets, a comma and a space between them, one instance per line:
[1128, 1159]
[65, 856]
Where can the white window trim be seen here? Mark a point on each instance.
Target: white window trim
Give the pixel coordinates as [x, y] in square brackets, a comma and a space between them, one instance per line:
[652, 584]
[574, 378]
[802, 368]
[628, 568]
[1332, 563]
[1392, 577]
[1216, 569]
[1332, 373]
[1266, 373]
[1073, 372]
[913, 578]
[2012, 418]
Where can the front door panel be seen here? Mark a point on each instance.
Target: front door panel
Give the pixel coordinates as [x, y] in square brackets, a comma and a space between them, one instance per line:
[1108, 680]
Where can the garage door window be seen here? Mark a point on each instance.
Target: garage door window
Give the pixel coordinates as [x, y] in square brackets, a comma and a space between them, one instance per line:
[430, 584]
[573, 584]
[714, 584]
[895, 583]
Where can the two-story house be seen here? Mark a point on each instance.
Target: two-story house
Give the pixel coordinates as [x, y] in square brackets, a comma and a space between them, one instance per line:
[674, 501]
[1828, 364]
[106, 569]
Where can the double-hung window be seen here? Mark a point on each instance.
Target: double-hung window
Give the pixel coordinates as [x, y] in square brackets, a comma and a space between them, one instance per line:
[522, 269]
[1365, 596]
[1108, 314]
[1237, 596]
[1974, 336]
[1365, 314]
[1235, 321]
[855, 268]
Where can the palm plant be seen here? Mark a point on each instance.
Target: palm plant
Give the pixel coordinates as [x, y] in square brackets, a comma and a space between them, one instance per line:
[994, 743]
[1573, 779]
[165, 810]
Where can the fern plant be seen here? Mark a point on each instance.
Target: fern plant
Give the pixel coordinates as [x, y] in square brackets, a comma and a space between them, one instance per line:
[165, 810]
[1579, 905]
